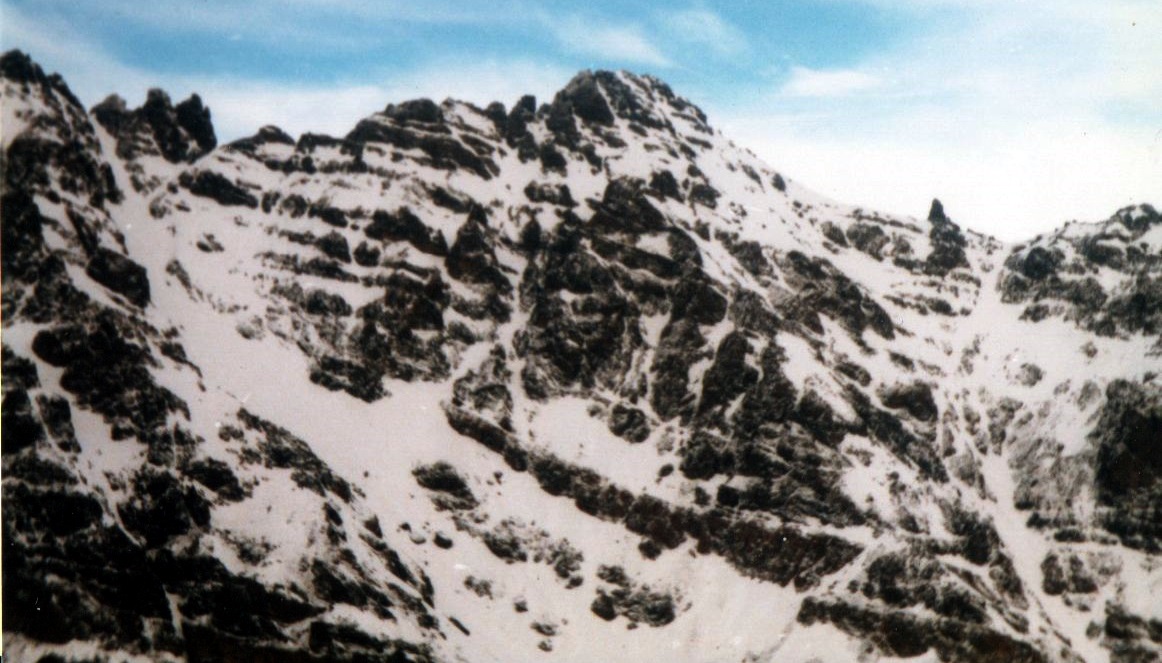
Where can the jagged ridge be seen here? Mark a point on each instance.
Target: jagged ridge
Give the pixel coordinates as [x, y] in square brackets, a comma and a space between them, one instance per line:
[836, 404]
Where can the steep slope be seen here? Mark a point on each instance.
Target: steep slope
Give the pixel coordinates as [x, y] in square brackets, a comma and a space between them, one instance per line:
[588, 379]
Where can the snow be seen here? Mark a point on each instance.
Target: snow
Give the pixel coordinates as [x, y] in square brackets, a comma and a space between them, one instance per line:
[657, 243]
[1029, 548]
[722, 615]
[867, 484]
[808, 374]
[378, 445]
[565, 427]
[15, 118]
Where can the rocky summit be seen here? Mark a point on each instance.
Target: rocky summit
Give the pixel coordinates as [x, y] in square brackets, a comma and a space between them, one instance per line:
[570, 381]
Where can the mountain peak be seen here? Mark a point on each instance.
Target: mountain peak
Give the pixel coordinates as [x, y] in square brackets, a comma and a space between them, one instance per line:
[267, 134]
[19, 67]
[475, 385]
[598, 96]
[180, 133]
[584, 97]
[936, 212]
[415, 110]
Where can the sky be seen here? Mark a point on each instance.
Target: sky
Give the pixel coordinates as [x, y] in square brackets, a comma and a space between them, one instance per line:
[1018, 114]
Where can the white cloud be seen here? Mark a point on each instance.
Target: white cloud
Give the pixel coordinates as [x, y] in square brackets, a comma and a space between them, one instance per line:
[239, 109]
[89, 71]
[707, 29]
[315, 25]
[1015, 183]
[806, 82]
[240, 106]
[1019, 116]
[607, 41]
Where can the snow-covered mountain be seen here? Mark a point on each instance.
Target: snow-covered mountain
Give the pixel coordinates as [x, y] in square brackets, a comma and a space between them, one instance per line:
[581, 381]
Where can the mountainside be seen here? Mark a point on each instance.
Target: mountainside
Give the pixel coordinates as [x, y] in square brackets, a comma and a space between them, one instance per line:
[579, 381]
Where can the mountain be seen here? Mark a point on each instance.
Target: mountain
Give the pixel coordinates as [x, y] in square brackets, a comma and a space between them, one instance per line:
[571, 382]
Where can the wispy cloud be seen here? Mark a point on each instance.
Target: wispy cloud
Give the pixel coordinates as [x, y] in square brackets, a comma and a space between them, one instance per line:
[1018, 114]
[806, 82]
[1050, 115]
[705, 29]
[90, 71]
[314, 22]
[606, 41]
[241, 105]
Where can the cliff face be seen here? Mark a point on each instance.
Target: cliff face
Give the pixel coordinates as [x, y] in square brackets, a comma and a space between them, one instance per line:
[583, 378]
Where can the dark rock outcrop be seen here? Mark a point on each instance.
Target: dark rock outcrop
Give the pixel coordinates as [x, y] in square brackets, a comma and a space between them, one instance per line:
[209, 184]
[1128, 474]
[179, 133]
[404, 226]
[119, 274]
[629, 423]
[583, 97]
[947, 243]
[442, 478]
[472, 257]
[904, 634]
[915, 398]
[738, 346]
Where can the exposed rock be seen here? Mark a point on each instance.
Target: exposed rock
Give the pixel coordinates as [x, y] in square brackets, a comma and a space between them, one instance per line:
[947, 243]
[903, 634]
[1039, 263]
[634, 602]
[1128, 474]
[179, 134]
[403, 226]
[472, 257]
[268, 134]
[194, 117]
[1068, 575]
[163, 508]
[556, 194]
[704, 194]
[1131, 638]
[424, 111]
[629, 423]
[20, 426]
[366, 255]
[625, 208]
[209, 184]
[278, 448]
[729, 375]
[335, 246]
[321, 302]
[716, 326]
[664, 184]
[681, 345]
[869, 238]
[584, 98]
[442, 478]
[410, 132]
[694, 297]
[915, 398]
[826, 290]
[217, 476]
[834, 233]
[119, 274]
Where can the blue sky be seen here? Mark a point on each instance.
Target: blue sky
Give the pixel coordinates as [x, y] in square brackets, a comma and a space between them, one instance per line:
[1019, 114]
